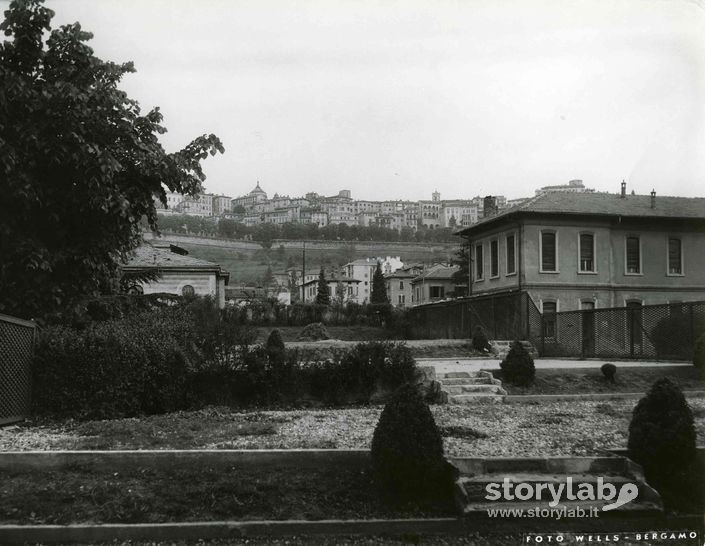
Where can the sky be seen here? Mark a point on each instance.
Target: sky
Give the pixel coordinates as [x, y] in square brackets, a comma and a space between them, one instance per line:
[393, 100]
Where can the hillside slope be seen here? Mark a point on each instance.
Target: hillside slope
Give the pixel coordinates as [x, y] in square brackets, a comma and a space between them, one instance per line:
[247, 261]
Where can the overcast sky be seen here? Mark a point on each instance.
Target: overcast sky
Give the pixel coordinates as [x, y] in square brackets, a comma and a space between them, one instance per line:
[396, 99]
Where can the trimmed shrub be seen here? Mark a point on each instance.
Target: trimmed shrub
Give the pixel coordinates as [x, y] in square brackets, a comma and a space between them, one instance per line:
[366, 370]
[480, 341]
[518, 366]
[275, 347]
[407, 450]
[662, 436]
[609, 370]
[315, 331]
[114, 369]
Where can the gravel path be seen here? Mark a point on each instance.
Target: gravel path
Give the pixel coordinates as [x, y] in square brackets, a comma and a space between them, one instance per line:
[542, 429]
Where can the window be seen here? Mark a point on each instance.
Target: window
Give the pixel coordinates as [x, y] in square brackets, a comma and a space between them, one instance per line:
[511, 255]
[402, 299]
[633, 252]
[587, 252]
[675, 256]
[494, 258]
[479, 266]
[548, 251]
[187, 290]
[401, 285]
[549, 318]
[437, 292]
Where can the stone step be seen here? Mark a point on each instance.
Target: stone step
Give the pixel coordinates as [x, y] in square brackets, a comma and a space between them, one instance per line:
[478, 397]
[631, 509]
[477, 473]
[467, 381]
[605, 466]
[462, 389]
[455, 375]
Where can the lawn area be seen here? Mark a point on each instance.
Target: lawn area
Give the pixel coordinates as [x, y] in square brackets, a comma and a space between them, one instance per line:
[538, 429]
[184, 492]
[591, 380]
[344, 333]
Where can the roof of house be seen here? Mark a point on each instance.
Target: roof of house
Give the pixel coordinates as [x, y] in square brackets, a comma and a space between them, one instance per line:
[400, 274]
[438, 272]
[604, 204]
[336, 278]
[157, 257]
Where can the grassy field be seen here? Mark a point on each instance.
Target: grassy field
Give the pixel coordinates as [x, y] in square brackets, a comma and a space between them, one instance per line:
[249, 265]
[185, 492]
[590, 380]
[343, 333]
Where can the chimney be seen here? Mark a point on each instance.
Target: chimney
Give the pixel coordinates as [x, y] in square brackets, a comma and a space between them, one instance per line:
[653, 199]
[624, 189]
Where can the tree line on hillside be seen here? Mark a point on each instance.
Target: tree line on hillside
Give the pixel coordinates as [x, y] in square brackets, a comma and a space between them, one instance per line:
[266, 233]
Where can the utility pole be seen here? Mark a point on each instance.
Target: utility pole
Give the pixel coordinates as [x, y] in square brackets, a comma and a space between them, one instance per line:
[303, 275]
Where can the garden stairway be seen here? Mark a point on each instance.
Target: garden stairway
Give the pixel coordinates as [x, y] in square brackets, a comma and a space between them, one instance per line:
[475, 475]
[469, 387]
[500, 348]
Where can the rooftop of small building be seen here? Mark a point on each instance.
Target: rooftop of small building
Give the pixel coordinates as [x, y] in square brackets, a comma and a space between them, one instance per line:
[603, 204]
[438, 272]
[165, 256]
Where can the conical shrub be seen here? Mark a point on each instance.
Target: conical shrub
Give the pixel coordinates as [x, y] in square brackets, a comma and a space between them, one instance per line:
[518, 366]
[662, 433]
[407, 449]
[275, 347]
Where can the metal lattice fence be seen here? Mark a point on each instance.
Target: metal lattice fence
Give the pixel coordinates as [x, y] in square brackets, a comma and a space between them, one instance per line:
[664, 332]
[506, 316]
[16, 350]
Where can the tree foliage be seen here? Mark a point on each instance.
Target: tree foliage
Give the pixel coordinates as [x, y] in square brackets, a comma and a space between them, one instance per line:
[461, 278]
[323, 294]
[379, 287]
[80, 164]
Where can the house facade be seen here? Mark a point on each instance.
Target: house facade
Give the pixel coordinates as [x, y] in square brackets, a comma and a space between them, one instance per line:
[341, 288]
[573, 251]
[399, 289]
[364, 269]
[434, 284]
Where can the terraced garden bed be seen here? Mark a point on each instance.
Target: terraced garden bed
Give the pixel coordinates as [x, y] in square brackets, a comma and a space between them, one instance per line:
[536, 429]
[590, 380]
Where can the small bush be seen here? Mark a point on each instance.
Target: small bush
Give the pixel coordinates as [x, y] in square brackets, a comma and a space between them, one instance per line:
[275, 347]
[113, 369]
[518, 366]
[480, 341]
[662, 435]
[354, 376]
[315, 331]
[609, 371]
[407, 450]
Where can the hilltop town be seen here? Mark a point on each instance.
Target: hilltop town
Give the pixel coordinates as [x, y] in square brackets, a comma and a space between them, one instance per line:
[256, 208]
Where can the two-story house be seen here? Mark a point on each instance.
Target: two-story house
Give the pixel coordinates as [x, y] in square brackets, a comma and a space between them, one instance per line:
[573, 251]
[434, 284]
[398, 283]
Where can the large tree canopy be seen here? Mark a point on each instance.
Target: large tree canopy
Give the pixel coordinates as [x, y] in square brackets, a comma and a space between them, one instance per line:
[80, 165]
